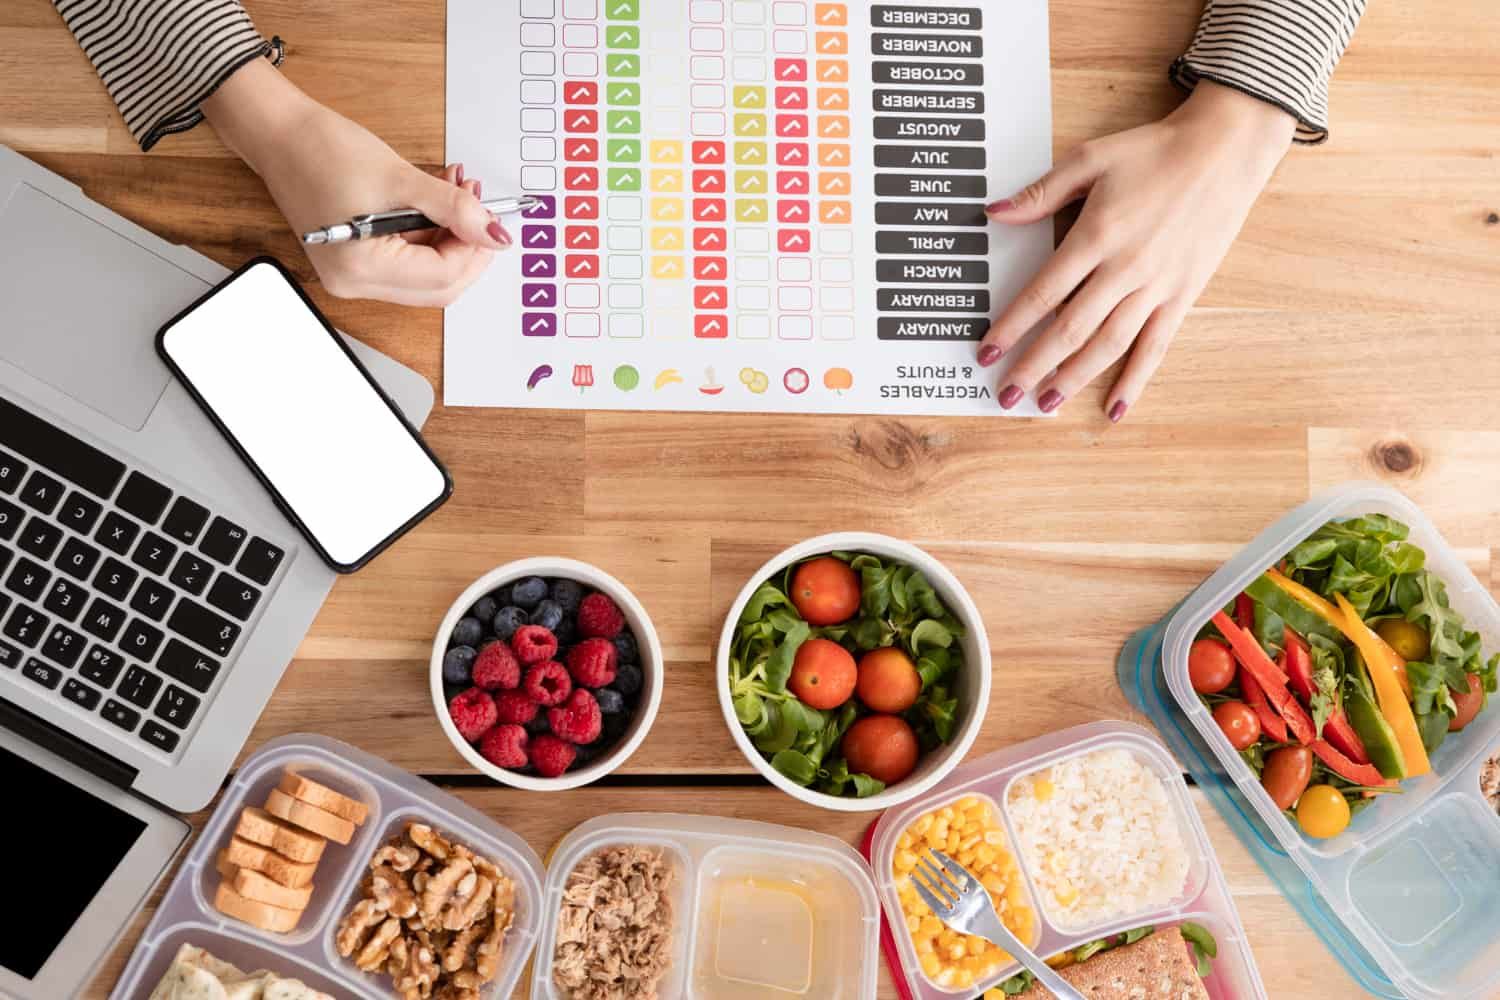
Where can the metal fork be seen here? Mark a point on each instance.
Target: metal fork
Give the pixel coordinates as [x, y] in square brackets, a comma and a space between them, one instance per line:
[959, 901]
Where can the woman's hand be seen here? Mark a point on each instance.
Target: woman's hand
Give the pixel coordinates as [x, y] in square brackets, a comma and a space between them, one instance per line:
[1164, 202]
[322, 168]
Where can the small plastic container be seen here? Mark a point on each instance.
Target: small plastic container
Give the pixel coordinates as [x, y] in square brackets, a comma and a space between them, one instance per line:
[1415, 880]
[1204, 898]
[759, 911]
[187, 915]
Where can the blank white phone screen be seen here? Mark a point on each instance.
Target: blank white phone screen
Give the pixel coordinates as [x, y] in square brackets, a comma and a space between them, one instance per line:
[265, 365]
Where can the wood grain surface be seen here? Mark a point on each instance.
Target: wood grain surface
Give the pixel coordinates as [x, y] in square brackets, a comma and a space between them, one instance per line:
[1350, 334]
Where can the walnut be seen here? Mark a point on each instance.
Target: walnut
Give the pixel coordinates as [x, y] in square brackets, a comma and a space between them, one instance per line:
[459, 951]
[428, 840]
[392, 892]
[487, 954]
[467, 906]
[422, 970]
[376, 950]
[356, 924]
[401, 857]
[440, 888]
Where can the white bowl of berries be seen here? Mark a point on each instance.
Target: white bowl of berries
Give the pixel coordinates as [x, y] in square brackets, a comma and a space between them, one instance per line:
[546, 674]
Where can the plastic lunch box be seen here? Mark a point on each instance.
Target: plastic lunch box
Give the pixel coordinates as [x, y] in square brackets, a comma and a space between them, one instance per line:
[186, 914]
[802, 920]
[1205, 898]
[1408, 899]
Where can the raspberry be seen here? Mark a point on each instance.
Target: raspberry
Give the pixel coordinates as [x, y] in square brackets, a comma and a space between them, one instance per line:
[505, 746]
[533, 644]
[473, 712]
[551, 756]
[496, 668]
[548, 684]
[592, 662]
[516, 707]
[579, 721]
[598, 617]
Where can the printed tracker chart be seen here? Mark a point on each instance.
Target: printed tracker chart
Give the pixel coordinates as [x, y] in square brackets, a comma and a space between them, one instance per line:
[754, 205]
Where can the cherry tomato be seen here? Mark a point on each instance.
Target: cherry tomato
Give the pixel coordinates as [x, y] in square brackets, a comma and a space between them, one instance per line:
[825, 591]
[1469, 703]
[1408, 639]
[1239, 722]
[1322, 811]
[1286, 774]
[1210, 666]
[888, 680]
[823, 674]
[882, 746]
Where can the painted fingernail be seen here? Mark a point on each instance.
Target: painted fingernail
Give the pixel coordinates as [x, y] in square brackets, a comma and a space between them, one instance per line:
[1011, 396]
[1117, 412]
[1003, 205]
[498, 234]
[1051, 400]
[458, 177]
[989, 354]
[479, 190]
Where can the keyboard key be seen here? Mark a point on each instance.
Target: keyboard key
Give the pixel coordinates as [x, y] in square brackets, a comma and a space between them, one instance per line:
[124, 717]
[80, 693]
[12, 471]
[6, 555]
[10, 656]
[159, 736]
[185, 520]
[4, 603]
[41, 492]
[29, 436]
[117, 533]
[65, 600]
[154, 553]
[11, 517]
[44, 674]
[115, 579]
[79, 513]
[28, 579]
[139, 687]
[176, 706]
[233, 596]
[223, 540]
[40, 538]
[181, 662]
[103, 620]
[143, 497]
[26, 625]
[63, 646]
[191, 573]
[101, 666]
[260, 560]
[152, 599]
[77, 558]
[140, 640]
[213, 632]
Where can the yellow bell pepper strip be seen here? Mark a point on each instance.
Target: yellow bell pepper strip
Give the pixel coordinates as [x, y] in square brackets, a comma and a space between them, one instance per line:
[1383, 663]
[1269, 676]
[1335, 617]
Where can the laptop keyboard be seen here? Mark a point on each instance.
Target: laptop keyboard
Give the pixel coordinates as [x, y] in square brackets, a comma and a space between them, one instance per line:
[116, 593]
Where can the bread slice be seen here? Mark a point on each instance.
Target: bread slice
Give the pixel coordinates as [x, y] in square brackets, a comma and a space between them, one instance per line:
[259, 827]
[255, 913]
[1157, 967]
[242, 853]
[309, 817]
[253, 885]
[324, 798]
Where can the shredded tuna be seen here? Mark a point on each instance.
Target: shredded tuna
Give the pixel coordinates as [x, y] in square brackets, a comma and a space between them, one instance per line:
[1489, 781]
[614, 934]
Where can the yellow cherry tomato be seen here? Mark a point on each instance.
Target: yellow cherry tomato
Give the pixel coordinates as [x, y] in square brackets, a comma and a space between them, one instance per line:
[1323, 812]
[1406, 638]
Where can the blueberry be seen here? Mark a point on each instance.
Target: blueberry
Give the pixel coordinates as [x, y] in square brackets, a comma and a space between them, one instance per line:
[567, 633]
[539, 725]
[467, 632]
[501, 596]
[548, 615]
[484, 609]
[610, 701]
[568, 594]
[507, 620]
[614, 727]
[528, 593]
[585, 754]
[628, 679]
[626, 647]
[457, 662]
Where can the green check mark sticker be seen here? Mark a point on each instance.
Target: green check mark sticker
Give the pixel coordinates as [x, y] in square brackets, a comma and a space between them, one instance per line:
[622, 36]
[623, 10]
[623, 64]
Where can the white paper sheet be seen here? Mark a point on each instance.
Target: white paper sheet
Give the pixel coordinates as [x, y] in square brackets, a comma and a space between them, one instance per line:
[753, 205]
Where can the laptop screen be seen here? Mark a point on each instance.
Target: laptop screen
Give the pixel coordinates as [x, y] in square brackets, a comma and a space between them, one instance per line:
[60, 821]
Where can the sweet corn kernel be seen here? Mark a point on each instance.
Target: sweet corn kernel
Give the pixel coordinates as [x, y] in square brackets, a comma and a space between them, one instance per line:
[905, 861]
[913, 923]
[930, 927]
[931, 964]
[984, 855]
[976, 946]
[1065, 893]
[1043, 789]
[904, 842]
[963, 978]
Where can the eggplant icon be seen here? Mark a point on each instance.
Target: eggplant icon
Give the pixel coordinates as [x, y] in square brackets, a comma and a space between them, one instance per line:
[538, 373]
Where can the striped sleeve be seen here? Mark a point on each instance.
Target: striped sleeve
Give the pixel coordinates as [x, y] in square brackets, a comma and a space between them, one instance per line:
[160, 59]
[1281, 51]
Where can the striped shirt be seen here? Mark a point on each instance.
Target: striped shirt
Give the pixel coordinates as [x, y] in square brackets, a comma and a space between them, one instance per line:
[160, 59]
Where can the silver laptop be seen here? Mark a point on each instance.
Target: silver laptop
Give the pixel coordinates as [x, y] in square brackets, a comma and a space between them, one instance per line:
[151, 594]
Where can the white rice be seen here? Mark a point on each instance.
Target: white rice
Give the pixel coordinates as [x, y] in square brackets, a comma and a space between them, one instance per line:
[1102, 842]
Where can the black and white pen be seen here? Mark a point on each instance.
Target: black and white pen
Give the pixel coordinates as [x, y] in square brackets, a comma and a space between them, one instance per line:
[404, 220]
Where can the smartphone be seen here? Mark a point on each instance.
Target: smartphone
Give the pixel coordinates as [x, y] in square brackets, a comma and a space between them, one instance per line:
[285, 390]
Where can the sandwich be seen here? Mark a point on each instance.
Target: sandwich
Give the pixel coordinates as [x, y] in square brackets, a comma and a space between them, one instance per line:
[1143, 964]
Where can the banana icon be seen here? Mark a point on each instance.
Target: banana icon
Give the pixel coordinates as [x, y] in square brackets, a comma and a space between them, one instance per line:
[668, 376]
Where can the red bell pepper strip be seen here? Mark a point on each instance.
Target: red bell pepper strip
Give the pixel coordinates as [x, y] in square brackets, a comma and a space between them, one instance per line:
[1341, 735]
[1270, 722]
[1298, 663]
[1360, 774]
[1268, 676]
[1244, 612]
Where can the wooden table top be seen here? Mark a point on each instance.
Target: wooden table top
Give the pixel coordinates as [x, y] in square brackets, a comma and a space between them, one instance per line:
[1350, 334]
